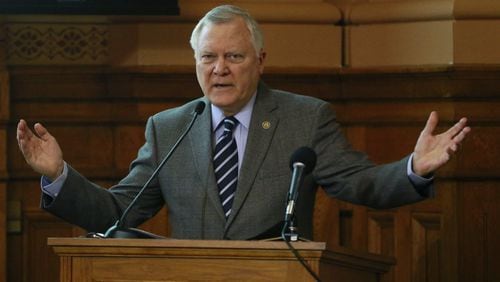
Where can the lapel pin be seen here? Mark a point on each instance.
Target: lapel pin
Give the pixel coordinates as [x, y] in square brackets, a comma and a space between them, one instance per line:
[266, 124]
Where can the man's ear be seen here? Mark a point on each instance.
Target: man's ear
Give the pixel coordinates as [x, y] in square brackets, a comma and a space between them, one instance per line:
[262, 58]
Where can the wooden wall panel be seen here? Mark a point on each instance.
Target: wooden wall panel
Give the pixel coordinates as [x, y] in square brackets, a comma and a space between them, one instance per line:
[98, 116]
[381, 232]
[480, 155]
[427, 250]
[39, 262]
[3, 234]
[4, 118]
[325, 226]
[382, 236]
[28, 254]
[480, 228]
[87, 147]
[127, 140]
[3, 153]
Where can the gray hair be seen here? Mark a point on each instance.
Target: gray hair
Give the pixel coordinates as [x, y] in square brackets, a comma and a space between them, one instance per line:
[225, 14]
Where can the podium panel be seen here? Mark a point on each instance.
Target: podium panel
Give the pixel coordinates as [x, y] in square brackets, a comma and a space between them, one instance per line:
[89, 259]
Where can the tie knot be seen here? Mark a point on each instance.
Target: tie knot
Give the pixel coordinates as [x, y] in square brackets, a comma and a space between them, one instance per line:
[229, 124]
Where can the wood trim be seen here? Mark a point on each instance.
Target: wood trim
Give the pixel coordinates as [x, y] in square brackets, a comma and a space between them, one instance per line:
[217, 248]
[430, 82]
[427, 244]
[399, 11]
[4, 117]
[478, 9]
[38, 225]
[422, 10]
[4, 175]
[4, 96]
[322, 12]
[3, 234]
[112, 101]
[266, 11]
[380, 229]
[193, 10]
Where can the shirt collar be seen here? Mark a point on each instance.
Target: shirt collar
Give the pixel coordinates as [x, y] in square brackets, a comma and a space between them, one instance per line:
[244, 116]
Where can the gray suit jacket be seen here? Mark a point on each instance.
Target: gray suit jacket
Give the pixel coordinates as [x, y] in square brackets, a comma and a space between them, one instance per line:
[187, 183]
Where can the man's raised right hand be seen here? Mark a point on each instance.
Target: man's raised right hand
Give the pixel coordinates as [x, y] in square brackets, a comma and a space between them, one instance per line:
[40, 150]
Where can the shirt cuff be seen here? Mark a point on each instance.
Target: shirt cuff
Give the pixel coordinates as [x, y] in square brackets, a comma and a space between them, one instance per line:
[418, 181]
[52, 188]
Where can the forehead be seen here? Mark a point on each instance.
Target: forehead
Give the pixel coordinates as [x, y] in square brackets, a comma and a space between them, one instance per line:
[234, 33]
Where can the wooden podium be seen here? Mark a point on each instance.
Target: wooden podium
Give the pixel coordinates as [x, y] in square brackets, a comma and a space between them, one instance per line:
[85, 259]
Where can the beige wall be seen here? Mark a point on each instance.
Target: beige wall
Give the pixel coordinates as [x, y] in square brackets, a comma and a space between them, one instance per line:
[287, 45]
[436, 32]
[477, 41]
[298, 34]
[290, 35]
[406, 43]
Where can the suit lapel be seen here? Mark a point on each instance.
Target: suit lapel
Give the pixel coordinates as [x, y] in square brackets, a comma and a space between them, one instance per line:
[262, 127]
[202, 153]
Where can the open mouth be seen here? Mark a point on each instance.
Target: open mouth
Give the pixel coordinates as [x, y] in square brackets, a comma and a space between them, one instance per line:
[221, 85]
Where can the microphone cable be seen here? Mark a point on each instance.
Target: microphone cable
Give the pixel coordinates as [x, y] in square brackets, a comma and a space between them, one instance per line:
[302, 162]
[297, 255]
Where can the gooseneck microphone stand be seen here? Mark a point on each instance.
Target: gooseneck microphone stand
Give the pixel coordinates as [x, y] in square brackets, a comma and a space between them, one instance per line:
[118, 230]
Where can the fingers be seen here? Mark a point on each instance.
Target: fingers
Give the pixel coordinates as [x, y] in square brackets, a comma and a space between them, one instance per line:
[24, 138]
[24, 135]
[22, 130]
[457, 133]
[458, 128]
[461, 135]
[42, 132]
[27, 139]
[431, 124]
[453, 148]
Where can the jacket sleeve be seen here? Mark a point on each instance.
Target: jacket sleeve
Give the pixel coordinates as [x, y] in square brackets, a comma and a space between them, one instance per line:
[349, 175]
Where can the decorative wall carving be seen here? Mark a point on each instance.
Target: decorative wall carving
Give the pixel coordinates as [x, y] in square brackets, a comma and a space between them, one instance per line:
[56, 44]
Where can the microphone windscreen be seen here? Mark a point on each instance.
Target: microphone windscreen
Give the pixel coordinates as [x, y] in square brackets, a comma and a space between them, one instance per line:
[304, 155]
[199, 108]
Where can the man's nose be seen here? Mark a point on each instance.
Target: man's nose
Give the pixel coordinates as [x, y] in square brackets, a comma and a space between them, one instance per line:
[220, 67]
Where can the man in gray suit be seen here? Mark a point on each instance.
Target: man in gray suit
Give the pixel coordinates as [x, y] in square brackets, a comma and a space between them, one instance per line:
[269, 126]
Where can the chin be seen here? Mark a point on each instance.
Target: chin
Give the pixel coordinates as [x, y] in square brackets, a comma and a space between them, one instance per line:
[224, 106]
[222, 100]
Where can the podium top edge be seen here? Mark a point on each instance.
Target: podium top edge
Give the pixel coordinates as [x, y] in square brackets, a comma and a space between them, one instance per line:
[180, 243]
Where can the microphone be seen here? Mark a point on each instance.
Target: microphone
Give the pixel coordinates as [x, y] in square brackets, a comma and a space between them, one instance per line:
[118, 230]
[302, 163]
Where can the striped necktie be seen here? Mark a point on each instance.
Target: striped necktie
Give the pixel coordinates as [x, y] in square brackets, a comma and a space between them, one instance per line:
[226, 164]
